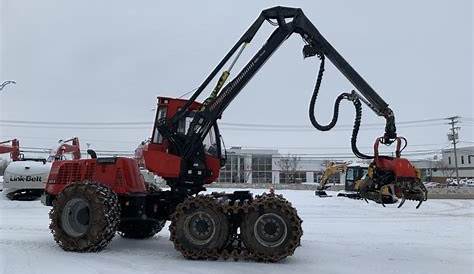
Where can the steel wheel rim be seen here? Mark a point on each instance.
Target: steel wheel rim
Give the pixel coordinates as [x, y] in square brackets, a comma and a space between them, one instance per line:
[199, 228]
[75, 217]
[270, 230]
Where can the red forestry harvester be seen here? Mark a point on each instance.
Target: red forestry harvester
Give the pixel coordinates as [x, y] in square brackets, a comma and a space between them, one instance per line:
[94, 198]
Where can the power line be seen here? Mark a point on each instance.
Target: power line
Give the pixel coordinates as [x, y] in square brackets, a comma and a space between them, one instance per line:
[336, 128]
[342, 125]
[330, 147]
[236, 128]
[73, 123]
[409, 152]
[82, 139]
[74, 127]
[222, 123]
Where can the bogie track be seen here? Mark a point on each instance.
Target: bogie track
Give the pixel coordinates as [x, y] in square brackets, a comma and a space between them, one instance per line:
[265, 228]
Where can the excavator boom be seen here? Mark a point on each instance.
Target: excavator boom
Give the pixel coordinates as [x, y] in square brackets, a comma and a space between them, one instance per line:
[13, 149]
[69, 146]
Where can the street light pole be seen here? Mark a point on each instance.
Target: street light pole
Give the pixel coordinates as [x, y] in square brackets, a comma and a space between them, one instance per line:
[6, 83]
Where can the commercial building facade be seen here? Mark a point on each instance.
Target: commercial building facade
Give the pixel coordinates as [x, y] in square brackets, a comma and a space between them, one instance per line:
[268, 166]
[465, 157]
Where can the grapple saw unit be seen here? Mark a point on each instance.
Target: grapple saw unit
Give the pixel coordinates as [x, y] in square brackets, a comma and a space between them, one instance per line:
[186, 151]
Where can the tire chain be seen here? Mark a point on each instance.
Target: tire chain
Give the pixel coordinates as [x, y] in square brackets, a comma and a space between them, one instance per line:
[111, 201]
[198, 201]
[234, 248]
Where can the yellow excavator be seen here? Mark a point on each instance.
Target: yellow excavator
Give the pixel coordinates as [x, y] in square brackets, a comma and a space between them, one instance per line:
[331, 169]
[356, 176]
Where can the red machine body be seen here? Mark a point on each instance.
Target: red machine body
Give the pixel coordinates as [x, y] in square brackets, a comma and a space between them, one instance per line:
[391, 178]
[118, 173]
[400, 167]
[13, 149]
[122, 174]
[156, 154]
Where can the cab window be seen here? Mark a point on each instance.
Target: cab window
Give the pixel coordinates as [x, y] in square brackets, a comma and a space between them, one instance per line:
[350, 174]
[161, 113]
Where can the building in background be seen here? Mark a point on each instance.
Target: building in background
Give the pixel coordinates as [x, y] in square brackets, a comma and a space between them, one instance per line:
[430, 169]
[268, 166]
[248, 166]
[465, 162]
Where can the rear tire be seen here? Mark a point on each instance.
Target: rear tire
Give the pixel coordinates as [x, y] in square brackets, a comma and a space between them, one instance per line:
[140, 229]
[271, 230]
[85, 217]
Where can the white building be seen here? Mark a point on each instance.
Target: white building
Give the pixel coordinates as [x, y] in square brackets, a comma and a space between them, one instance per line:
[248, 166]
[268, 166]
[465, 157]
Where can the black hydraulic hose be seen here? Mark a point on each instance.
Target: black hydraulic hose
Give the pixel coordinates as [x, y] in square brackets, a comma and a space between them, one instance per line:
[355, 131]
[315, 96]
[332, 123]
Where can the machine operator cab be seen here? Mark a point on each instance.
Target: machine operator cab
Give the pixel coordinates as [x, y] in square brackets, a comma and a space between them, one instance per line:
[354, 173]
[162, 159]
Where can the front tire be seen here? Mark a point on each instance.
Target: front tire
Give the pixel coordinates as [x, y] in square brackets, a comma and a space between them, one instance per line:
[85, 217]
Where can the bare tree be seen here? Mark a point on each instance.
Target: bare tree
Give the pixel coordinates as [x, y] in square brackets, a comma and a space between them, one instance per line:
[445, 169]
[288, 166]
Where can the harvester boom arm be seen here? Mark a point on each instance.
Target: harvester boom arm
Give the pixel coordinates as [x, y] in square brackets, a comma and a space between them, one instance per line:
[316, 45]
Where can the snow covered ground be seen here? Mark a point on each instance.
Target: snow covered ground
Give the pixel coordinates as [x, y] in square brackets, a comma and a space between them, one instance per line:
[340, 236]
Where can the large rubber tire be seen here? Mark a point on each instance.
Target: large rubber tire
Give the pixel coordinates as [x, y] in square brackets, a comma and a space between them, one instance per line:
[140, 229]
[280, 238]
[199, 229]
[85, 217]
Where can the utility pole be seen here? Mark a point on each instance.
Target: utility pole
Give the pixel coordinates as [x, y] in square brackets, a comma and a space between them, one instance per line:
[453, 136]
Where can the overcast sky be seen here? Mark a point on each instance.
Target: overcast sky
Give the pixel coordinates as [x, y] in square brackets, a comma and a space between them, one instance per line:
[106, 61]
